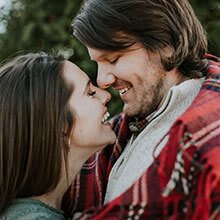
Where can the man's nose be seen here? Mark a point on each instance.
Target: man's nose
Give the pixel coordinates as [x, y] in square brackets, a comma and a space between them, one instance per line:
[105, 78]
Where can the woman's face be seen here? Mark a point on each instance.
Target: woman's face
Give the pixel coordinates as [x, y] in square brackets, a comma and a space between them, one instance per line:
[87, 103]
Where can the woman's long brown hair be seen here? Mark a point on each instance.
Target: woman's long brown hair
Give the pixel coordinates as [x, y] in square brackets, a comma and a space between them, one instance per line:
[33, 114]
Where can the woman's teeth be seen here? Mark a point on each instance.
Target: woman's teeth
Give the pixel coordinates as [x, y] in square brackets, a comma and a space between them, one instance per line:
[122, 91]
[105, 117]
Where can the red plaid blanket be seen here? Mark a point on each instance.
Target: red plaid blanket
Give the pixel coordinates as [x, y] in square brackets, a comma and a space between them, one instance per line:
[182, 183]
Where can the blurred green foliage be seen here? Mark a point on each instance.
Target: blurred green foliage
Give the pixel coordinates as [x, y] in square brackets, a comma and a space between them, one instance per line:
[43, 25]
[208, 12]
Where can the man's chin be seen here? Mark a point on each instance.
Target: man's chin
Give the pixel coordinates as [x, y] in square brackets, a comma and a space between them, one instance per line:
[130, 111]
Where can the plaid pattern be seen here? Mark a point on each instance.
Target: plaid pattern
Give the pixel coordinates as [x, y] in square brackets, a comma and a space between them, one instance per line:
[138, 125]
[184, 180]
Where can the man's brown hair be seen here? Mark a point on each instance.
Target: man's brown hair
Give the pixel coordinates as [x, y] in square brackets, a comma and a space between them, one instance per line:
[157, 24]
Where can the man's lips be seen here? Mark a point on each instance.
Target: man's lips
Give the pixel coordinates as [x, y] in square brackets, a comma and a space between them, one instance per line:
[123, 90]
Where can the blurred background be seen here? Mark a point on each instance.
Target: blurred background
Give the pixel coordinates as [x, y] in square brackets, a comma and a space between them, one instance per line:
[42, 25]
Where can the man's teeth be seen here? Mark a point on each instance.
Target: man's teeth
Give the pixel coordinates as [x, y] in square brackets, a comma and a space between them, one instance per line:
[105, 117]
[122, 91]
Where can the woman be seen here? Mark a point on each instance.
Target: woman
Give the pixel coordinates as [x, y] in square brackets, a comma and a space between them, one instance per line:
[52, 118]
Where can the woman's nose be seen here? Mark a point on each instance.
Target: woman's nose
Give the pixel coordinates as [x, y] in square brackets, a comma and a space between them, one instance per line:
[104, 96]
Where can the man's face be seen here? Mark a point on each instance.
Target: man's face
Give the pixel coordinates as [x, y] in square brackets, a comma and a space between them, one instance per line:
[136, 73]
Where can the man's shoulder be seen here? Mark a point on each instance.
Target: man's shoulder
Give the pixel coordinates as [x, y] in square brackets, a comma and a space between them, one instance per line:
[213, 65]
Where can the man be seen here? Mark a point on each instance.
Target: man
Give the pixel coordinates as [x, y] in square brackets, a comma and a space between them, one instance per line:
[153, 53]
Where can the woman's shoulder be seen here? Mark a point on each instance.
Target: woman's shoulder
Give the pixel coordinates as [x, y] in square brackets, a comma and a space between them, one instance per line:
[29, 209]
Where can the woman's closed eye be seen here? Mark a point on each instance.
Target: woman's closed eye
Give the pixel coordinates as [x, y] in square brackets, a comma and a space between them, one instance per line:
[91, 93]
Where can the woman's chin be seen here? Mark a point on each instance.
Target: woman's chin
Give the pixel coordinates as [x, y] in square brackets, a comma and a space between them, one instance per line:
[112, 138]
